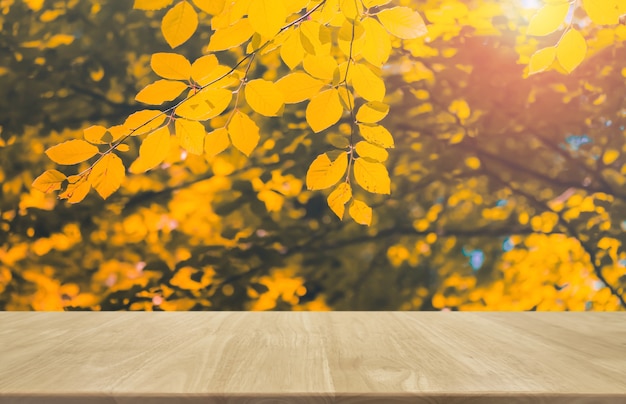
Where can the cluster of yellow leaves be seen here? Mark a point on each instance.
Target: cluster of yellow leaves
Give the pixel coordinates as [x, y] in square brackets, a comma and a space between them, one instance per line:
[571, 49]
[338, 78]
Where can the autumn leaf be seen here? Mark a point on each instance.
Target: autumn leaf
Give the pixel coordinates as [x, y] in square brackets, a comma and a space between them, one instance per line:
[145, 121]
[49, 181]
[77, 189]
[541, 60]
[549, 18]
[320, 66]
[360, 212]
[371, 151]
[160, 91]
[377, 135]
[367, 84]
[206, 104]
[324, 173]
[603, 12]
[402, 22]
[211, 7]
[95, 134]
[372, 112]
[204, 70]
[351, 9]
[216, 142]
[190, 135]
[267, 16]
[264, 97]
[153, 150]
[324, 110]
[232, 36]
[291, 51]
[179, 24]
[376, 43]
[571, 50]
[297, 87]
[244, 133]
[107, 175]
[372, 176]
[170, 66]
[72, 152]
[339, 197]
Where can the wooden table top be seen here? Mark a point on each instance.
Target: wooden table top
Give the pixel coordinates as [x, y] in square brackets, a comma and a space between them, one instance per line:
[312, 357]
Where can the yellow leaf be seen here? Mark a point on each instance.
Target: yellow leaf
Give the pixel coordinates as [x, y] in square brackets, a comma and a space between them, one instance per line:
[610, 156]
[72, 152]
[338, 198]
[171, 66]
[221, 76]
[232, 36]
[371, 151]
[244, 133]
[367, 83]
[402, 22]
[294, 6]
[346, 97]
[264, 97]
[372, 177]
[372, 112]
[190, 135]
[548, 18]
[107, 175]
[571, 50]
[160, 91]
[297, 87]
[212, 7]
[460, 109]
[324, 173]
[291, 51]
[150, 5]
[316, 38]
[324, 110]
[232, 12]
[142, 122]
[360, 212]
[376, 44]
[541, 60]
[377, 135]
[179, 24]
[76, 190]
[351, 38]
[49, 181]
[267, 17]
[351, 9]
[329, 14]
[216, 142]
[115, 132]
[207, 104]
[320, 66]
[94, 134]
[603, 12]
[202, 69]
[153, 150]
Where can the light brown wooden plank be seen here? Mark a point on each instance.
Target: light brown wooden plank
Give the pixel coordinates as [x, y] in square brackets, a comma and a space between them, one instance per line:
[307, 357]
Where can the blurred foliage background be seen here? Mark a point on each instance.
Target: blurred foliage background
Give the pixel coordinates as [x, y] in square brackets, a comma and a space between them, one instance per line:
[507, 191]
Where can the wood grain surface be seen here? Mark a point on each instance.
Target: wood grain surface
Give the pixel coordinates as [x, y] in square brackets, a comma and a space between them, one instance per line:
[312, 357]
